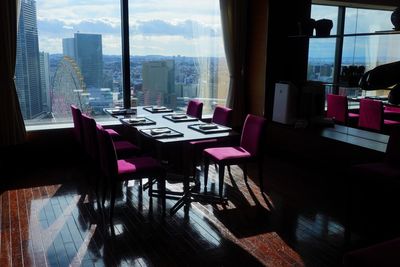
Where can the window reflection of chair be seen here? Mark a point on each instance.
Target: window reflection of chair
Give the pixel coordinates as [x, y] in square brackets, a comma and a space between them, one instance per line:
[338, 110]
[116, 170]
[248, 151]
[371, 116]
[195, 109]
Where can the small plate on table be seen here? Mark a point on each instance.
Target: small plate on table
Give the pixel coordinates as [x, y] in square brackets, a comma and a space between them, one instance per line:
[179, 117]
[161, 132]
[208, 128]
[120, 111]
[137, 121]
[157, 109]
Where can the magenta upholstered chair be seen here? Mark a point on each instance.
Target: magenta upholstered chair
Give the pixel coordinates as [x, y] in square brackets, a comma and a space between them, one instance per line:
[338, 109]
[195, 109]
[371, 116]
[116, 170]
[387, 170]
[248, 151]
[391, 113]
[222, 116]
[383, 254]
[76, 118]
[123, 148]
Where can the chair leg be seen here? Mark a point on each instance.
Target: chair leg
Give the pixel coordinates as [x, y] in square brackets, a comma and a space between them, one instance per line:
[163, 197]
[260, 176]
[245, 172]
[221, 180]
[112, 202]
[206, 166]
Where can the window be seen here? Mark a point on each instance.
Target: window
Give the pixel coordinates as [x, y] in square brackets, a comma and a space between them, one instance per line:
[69, 52]
[365, 44]
[177, 53]
[321, 56]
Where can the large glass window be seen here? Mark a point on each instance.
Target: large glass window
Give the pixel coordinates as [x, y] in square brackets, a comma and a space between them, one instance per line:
[69, 52]
[177, 53]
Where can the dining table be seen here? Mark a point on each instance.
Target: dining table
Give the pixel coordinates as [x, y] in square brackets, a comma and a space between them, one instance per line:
[172, 131]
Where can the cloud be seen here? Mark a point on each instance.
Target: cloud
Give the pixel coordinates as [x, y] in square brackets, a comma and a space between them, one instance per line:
[61, 29]
[188, 29]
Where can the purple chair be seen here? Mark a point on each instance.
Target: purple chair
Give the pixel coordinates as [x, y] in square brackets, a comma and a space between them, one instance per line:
[76, 118]
[248, 151]
[383, 254]
[371, 116]
[338, 109]
[116, 170]
[195, 109]
[391, 113]
[123, 148]
[222, 116]
[386, 170]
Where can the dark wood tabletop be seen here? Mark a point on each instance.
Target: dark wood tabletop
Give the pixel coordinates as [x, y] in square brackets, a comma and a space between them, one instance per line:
[181, 127]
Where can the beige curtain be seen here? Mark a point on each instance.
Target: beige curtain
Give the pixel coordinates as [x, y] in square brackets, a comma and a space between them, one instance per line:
[12, 128]
[233, 20]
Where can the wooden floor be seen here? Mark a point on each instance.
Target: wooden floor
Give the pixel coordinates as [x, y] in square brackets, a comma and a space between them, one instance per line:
[57, 222]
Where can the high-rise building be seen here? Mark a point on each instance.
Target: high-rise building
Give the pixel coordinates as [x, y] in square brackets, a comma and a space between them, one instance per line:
[89, 56]
[86, 49]
[27, 69]
[158, 82]
[45, 81]
[68, 47]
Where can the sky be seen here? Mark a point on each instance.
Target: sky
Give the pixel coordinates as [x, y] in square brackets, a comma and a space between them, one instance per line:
[157, 27]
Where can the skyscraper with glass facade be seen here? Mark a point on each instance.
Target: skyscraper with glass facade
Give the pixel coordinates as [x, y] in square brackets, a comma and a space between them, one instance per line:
[89, 56]
[27, 70]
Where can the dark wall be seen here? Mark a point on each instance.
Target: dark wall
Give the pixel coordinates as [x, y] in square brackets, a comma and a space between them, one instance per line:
[286, 56]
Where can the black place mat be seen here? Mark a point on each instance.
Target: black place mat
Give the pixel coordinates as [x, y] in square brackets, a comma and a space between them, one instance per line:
[137, 121]
[208, 128]
[179, 117]
[157, 110]
[120, 111]
[169, 133]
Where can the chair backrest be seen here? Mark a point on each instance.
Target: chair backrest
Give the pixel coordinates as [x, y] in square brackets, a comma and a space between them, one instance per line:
[253, 129]
[108, 156]
[222, 116]
[76, 118]
[90, 135]
[337, 108]
[393, 146]
[371, 114]
[195, 109]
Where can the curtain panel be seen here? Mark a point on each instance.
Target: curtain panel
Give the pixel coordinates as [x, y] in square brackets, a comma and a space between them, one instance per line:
[12, 128]
[234, 25]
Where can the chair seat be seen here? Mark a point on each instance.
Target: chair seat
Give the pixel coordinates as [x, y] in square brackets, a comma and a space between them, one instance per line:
[225, 154]
[391, 122]
[114, 134]
[139, 165]
[353, 115]
[378, 169]
[125, 149]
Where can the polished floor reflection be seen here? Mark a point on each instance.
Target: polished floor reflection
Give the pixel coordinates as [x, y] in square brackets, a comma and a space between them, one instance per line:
[57, 222]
